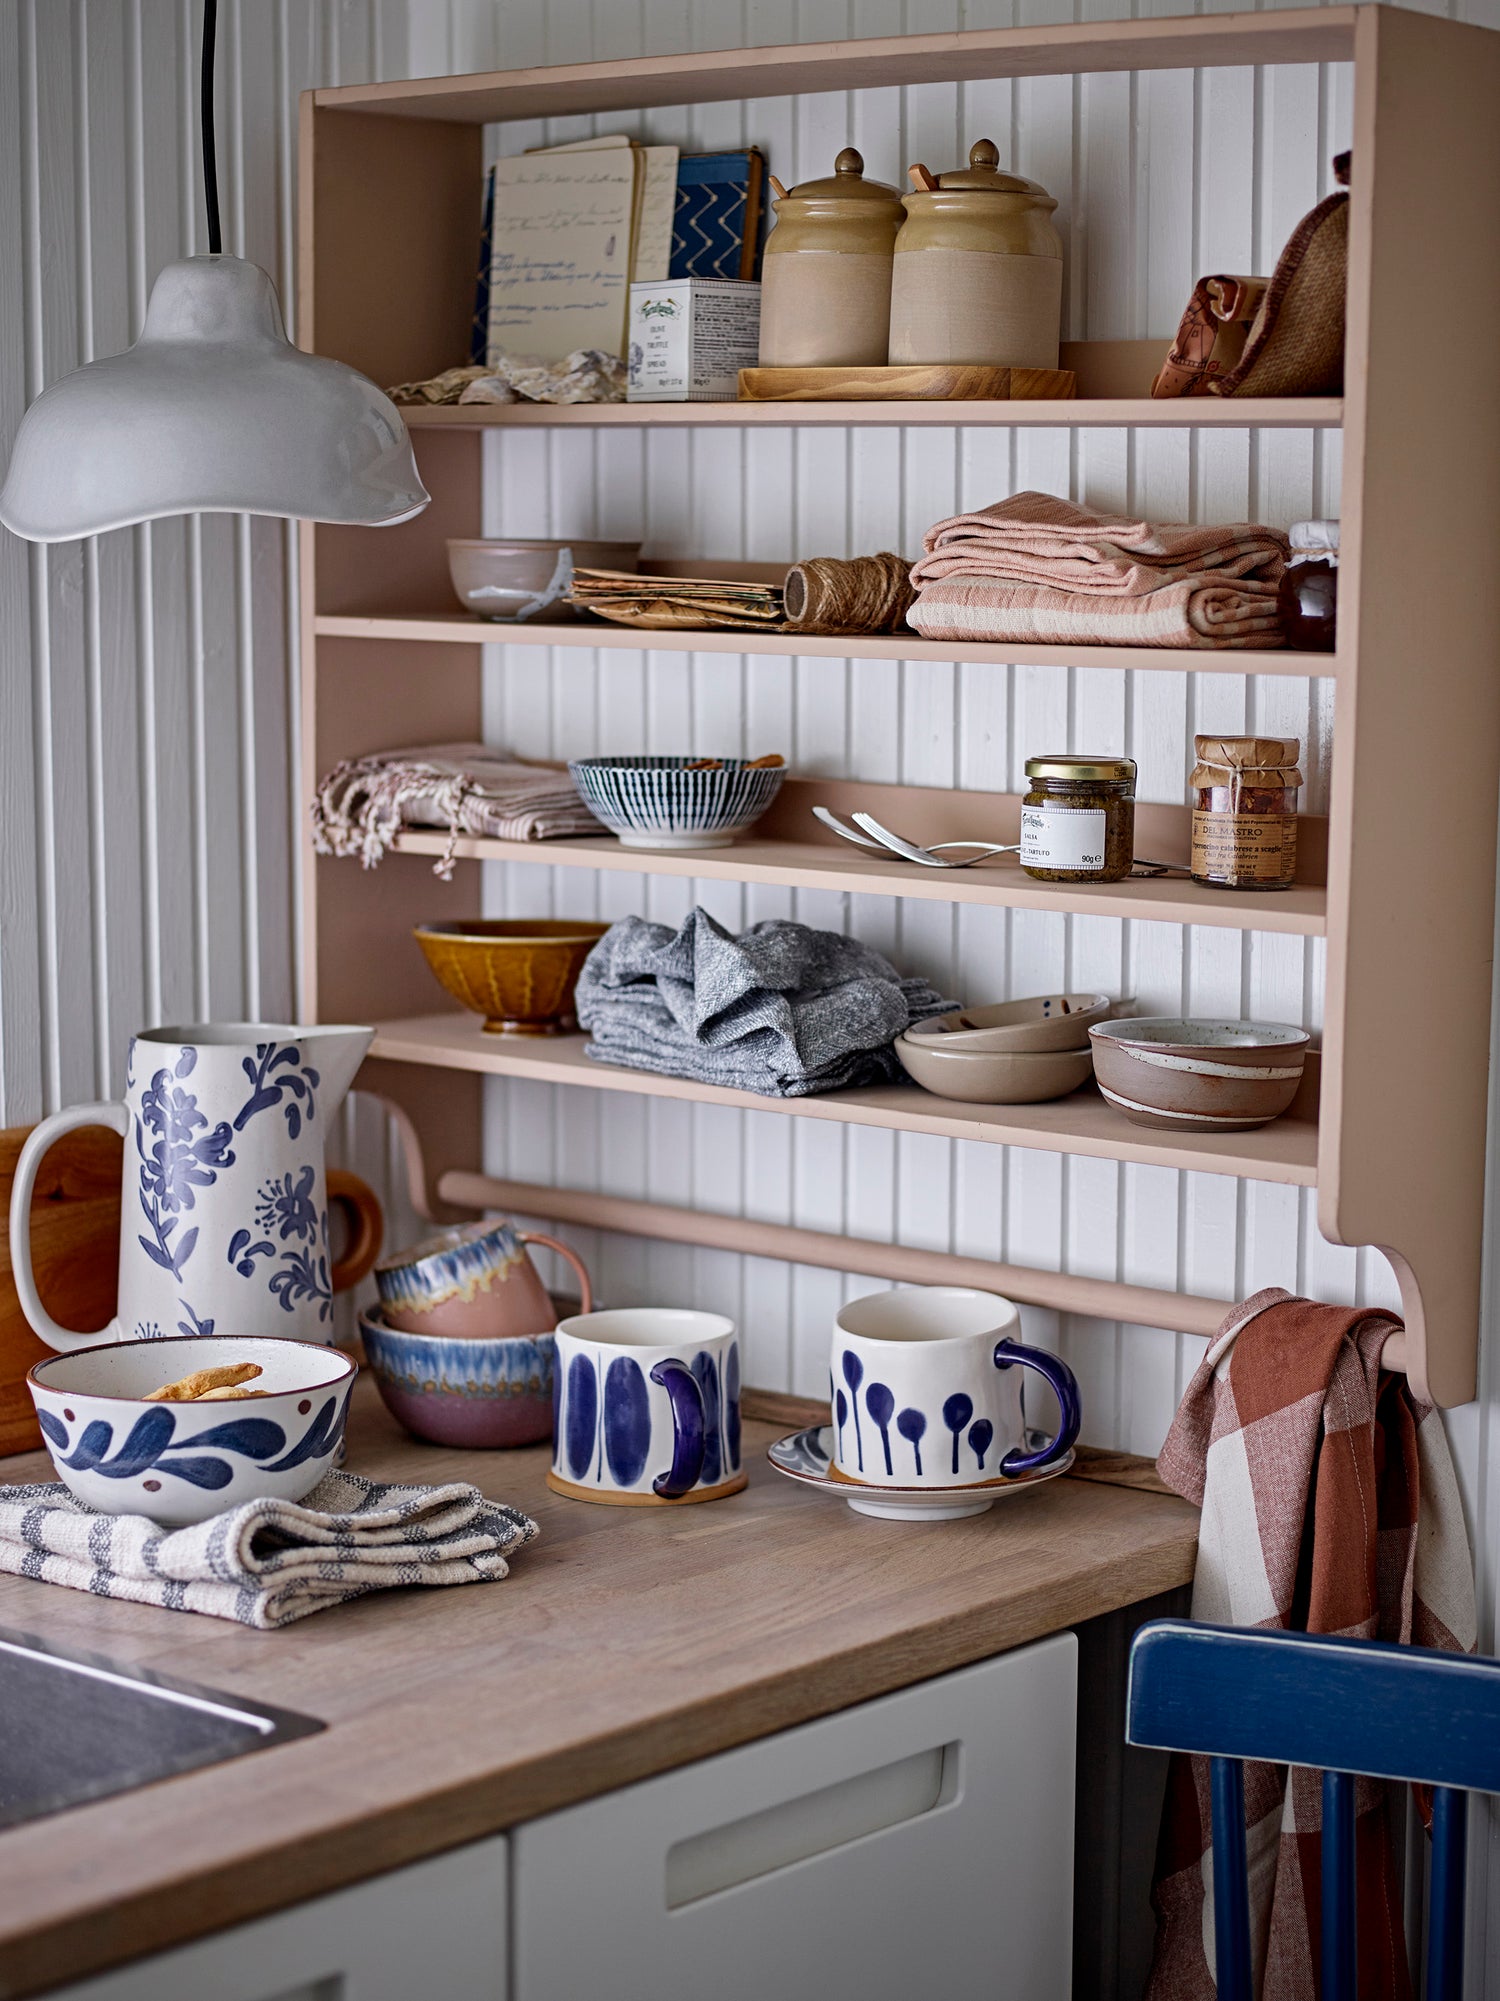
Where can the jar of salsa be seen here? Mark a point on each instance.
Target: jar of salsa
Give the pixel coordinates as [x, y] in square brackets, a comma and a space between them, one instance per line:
[1078, 818]
[1245, 811]
[1307, 597]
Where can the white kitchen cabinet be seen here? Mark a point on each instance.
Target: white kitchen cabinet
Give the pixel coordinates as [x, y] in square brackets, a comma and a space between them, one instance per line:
[924, 1838]
[435, 1931]
[919, 1843]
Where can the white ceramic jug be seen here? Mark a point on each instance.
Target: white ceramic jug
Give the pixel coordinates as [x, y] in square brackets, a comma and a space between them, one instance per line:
[224, 1207]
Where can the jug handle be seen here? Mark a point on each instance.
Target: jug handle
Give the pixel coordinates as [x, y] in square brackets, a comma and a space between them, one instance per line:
[361, 1207]
[568, 1257]
[33, 1151]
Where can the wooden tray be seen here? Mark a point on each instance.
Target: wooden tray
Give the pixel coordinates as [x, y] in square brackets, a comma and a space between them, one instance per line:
[928, 383]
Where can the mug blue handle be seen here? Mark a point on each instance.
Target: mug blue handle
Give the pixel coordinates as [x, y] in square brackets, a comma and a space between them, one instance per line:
[689, 1432]
[1065, 1385]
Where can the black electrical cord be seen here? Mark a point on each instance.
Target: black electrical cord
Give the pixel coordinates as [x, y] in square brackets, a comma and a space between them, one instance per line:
[206, 122]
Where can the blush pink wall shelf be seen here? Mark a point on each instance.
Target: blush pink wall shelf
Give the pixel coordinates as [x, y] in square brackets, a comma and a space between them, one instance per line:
[1393, 1138]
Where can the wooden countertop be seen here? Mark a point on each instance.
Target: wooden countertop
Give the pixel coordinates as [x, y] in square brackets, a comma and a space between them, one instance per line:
[625, 1641]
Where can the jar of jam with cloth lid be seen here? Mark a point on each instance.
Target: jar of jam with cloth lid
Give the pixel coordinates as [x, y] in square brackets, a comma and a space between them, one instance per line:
[1245, 811]
[1078, 818]
[1307, 596]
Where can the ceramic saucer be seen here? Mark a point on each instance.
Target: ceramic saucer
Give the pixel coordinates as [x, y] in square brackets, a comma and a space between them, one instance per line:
[807, 1457]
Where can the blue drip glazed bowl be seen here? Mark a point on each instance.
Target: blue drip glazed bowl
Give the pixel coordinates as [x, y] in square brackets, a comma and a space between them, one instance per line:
[485, 1392]
[656, 802]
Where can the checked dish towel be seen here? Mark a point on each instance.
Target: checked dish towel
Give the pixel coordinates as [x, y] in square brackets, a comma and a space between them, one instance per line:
[1329, 1505]
[267, 1562]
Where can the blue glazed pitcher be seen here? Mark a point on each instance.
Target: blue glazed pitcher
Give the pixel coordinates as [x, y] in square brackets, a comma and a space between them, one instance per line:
[224, 1206]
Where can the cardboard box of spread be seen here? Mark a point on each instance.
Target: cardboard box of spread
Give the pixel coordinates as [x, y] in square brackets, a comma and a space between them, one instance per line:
[690, 337]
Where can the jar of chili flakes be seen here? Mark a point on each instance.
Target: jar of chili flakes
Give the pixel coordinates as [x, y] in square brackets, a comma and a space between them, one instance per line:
[1245, 811]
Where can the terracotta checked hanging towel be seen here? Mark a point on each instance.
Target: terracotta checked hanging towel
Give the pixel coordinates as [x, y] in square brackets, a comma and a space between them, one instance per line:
[1329, 1505]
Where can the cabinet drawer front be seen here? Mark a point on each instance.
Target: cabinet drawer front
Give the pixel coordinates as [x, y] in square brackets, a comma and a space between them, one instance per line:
[435, 1929]
[923, 1837]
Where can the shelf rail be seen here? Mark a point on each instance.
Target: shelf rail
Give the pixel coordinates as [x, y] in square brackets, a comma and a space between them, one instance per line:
[905, 1264]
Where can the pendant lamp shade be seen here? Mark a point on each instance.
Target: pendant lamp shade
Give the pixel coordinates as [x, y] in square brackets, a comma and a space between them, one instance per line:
[213, 410]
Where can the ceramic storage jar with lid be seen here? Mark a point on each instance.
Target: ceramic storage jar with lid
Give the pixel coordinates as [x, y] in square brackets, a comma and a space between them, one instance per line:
[825, 298]
[978, 271]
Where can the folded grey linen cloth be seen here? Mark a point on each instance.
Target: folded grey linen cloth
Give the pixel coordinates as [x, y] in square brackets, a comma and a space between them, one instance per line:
[266, 1562]
[781, 1009]
[362, 804]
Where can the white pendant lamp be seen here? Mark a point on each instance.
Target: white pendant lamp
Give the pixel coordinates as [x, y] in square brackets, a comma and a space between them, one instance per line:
[212, 410]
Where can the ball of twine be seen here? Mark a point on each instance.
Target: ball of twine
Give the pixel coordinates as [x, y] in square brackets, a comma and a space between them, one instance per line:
[864, 594]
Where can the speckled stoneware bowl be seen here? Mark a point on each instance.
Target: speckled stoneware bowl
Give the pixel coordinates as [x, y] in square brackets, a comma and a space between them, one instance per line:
[1018, 1027]
[1199, 1076]
[182, 1462]
[519, 973]
[469, 1392]
[658, 802]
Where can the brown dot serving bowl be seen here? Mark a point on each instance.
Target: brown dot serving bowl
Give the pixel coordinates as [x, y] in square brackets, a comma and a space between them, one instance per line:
[1199, 1076]
[519, 973]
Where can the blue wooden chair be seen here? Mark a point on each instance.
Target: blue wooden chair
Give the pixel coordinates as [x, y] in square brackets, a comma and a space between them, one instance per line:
[1343, 1707]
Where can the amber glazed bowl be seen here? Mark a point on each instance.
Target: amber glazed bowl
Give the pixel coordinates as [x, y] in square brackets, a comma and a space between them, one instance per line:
[519, 973]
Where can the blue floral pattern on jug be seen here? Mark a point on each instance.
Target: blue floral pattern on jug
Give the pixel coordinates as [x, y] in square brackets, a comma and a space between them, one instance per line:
[152, 1445]
[181, 1155]
[294, 1088]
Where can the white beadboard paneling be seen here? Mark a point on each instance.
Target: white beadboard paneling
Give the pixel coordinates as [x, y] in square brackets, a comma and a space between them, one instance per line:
[147, 677]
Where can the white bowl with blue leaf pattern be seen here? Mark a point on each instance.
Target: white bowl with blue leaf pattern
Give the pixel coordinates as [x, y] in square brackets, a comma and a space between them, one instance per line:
[183, 1462]
[661, 802]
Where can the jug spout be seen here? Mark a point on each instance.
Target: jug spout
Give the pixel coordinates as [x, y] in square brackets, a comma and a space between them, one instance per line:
[337, 1054]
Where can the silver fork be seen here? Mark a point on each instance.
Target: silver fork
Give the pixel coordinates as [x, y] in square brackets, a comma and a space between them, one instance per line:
[929, 857]
[932, 857]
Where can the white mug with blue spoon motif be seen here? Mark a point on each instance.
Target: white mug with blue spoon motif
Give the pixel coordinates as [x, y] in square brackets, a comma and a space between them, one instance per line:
[927, 1390]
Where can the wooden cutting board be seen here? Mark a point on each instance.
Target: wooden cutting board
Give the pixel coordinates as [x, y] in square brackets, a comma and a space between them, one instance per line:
[75, 1234]
[925, 383]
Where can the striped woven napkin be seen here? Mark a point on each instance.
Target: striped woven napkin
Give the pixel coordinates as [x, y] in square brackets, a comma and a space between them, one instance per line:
[267, 1562]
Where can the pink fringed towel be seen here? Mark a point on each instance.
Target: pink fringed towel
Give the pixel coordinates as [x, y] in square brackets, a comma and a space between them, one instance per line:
[1039, 568]
[1329, 1505]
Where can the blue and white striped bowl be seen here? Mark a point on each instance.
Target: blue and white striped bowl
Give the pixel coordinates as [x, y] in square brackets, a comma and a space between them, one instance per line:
[655, 802]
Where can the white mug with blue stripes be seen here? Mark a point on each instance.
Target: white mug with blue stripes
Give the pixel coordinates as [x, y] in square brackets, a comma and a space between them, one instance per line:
[646, 1407]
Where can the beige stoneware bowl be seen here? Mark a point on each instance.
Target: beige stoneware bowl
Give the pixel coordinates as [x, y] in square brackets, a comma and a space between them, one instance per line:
[992, 1076]
[1199, 1076]
[1018, 1027]
[501, 579]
